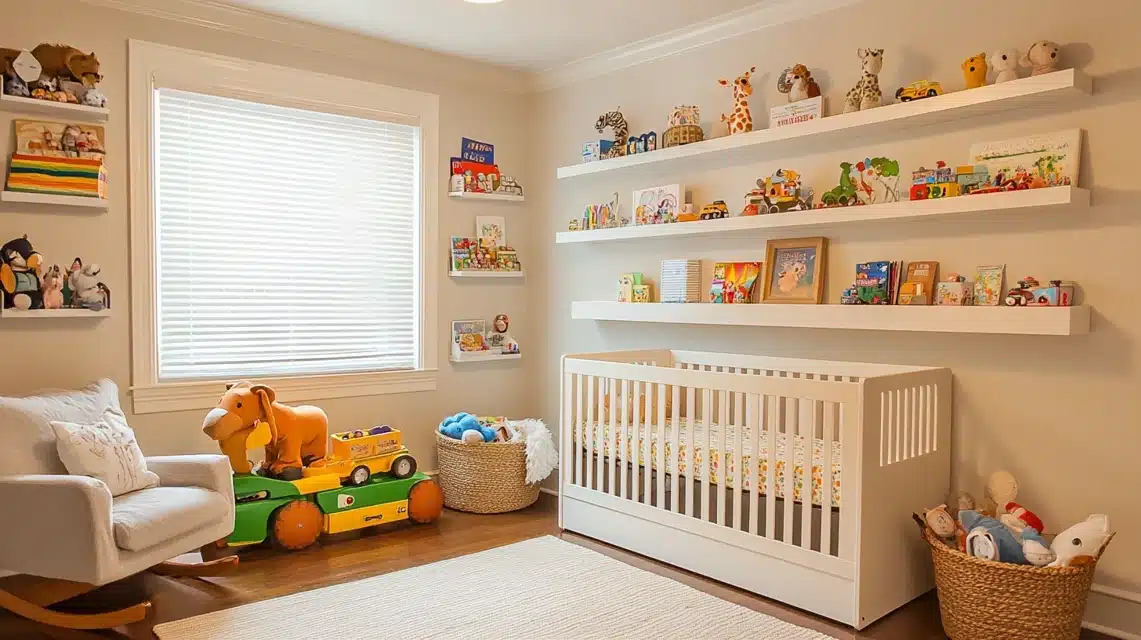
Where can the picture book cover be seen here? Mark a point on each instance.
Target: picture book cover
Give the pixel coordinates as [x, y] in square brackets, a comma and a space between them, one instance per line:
[491, 228]
[733, 282]
[873, 282]
[59, 139]
[1044, 160]
[467, 335]
[478, 152]
[988, 285]
[461, 253]
[478, 178]
[796, 272]
[919, 285]
[658, 205]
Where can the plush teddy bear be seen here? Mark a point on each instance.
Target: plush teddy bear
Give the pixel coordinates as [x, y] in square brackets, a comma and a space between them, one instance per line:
[974, 71]
[1005, 65]
[1041, 57]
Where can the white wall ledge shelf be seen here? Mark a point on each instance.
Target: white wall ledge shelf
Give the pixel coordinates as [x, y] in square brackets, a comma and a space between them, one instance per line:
[54, 109]
[52, 314]
[1045, 321]
[54, 200]
[483, 357]
[473, 195]
[816, 219]
[972, 103]
[475, 273]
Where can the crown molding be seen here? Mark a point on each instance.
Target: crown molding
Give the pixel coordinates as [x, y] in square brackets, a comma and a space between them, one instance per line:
[763, 15]
[249, 23]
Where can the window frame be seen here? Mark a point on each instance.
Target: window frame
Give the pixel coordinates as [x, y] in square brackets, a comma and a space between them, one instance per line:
[153, 66]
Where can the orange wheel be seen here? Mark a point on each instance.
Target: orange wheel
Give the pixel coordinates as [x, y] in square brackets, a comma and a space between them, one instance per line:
[296, 525]
[425, 501]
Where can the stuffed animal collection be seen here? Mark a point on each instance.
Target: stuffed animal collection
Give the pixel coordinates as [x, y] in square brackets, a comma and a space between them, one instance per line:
[55, 72]
[473, 430]
[1003, 530]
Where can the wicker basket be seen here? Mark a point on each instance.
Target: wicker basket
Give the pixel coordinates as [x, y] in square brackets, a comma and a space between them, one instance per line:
[983, 599]
[682, 134]
[486, 477]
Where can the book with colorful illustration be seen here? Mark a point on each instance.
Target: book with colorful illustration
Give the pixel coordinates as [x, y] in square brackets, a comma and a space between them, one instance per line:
[919, 285]
[734, 282]
[873, 282]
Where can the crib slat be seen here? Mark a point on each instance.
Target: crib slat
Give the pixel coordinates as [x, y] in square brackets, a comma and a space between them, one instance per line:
[807, 436]
[690, 419]
[706, 420]
[592, 412]
[738, 456]
[612, 432]
[773, 423]
[755, 408]
[674, 458]
[931, 419]
[647, 443]
[661, 440]
[636, 446]
[898, 425]
[828, 434]
[600, 441]
[722, 420]
[622, 456]
[791, 417]
[579, 427]
[567, 445]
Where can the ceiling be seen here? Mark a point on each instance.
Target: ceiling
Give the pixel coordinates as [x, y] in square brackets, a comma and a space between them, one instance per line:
[532, 35]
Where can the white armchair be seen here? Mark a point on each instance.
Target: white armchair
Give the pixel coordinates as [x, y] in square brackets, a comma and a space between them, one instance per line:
[69, 531]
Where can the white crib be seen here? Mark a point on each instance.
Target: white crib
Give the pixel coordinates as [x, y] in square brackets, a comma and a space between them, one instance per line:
[866, 445]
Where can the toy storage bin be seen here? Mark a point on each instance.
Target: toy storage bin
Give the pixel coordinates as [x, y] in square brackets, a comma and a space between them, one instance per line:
[486, 477]
[984, 599]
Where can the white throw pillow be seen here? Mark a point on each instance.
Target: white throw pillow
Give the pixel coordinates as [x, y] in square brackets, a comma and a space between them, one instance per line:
[105, 450]
[25, 422]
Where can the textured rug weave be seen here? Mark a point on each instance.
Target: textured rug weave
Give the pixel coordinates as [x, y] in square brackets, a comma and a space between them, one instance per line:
[539, 588]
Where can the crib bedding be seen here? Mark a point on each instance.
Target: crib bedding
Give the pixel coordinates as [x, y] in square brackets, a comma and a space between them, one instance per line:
[728, 456]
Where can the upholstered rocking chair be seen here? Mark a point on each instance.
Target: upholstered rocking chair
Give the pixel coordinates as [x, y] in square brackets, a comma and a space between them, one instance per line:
[65, 535]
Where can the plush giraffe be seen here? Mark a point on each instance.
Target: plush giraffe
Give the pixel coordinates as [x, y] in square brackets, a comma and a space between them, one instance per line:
[866, 94]
[616, 120]
[741, 121]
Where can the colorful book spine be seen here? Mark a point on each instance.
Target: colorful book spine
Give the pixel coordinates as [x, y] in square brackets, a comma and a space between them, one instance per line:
[60, 176]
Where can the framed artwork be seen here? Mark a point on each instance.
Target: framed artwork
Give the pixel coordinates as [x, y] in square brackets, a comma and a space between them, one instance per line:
[1044, 160]
[493, 228]
[59, 139]
[794, 270]
[658, 205]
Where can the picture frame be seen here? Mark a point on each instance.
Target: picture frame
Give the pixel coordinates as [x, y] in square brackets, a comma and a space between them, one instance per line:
[658, 205]
[794, 271]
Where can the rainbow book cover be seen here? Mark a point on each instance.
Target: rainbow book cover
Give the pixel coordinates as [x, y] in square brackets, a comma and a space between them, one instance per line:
[873, 282]
[733, 282]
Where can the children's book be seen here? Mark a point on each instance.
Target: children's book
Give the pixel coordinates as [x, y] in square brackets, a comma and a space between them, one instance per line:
[467, 335]
[873, 282]
[919, 285]
[988, 285]
[896, 280]
[461, 253]
[734, 282]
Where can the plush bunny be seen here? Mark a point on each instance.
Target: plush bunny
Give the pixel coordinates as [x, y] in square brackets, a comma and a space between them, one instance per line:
[1041, 57]
[1005, 65]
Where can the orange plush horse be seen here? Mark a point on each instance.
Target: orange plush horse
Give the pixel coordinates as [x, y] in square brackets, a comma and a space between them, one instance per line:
[297, 436]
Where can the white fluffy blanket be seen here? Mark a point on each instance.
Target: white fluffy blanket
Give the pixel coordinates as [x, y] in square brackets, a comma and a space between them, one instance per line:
[542, 457]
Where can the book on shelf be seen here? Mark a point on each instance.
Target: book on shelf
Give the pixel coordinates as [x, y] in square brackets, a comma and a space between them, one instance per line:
[874, 282]
[919, 284]
[734, 282]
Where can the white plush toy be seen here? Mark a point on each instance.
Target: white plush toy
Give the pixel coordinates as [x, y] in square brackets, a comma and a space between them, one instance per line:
[1005, 64]
[1041, 57]
[84, 285]
[1083, 539]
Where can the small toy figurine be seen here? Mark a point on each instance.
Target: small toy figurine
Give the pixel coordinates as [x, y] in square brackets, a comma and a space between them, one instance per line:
[866, 94]
[497, 337]
[1029, 293]
[940, 182]
[20, 274]
[741, 120]
[1041, 57]
[917, 90]
[844, 194]
[797, 83]
[45, 87]
[780, 192]
[954, 291]
[617, 121]
[974, 71]
[1005, 64]
[88, 294]
[714, 211]
[14, 85]
[95, 98]
[52, 287]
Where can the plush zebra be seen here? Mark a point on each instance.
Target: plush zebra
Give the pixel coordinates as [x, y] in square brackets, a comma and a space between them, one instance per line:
[616, 120]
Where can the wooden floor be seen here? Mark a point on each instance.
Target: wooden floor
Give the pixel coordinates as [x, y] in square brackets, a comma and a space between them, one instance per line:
[266, 574]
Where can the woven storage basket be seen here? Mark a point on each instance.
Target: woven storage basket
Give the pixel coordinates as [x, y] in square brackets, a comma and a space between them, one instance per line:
[487, 477]
[682, 134]
[983, 599]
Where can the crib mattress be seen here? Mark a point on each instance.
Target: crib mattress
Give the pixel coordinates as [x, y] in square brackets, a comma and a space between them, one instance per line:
[728, 457]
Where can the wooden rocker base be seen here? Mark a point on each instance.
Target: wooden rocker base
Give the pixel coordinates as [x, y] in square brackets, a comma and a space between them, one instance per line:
[172, 569]
[30, 598]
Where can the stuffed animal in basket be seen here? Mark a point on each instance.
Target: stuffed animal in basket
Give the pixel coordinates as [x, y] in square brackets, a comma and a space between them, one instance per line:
[1081, 542]
[946, 527]
[466, 427]
[989, 539]
[298, 436]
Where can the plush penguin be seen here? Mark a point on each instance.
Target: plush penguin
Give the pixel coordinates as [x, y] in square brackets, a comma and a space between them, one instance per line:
[20, 275]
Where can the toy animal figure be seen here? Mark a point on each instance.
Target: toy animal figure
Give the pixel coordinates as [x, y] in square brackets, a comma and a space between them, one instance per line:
[1041, 57]
[52, 287]
[1005, 64]
[866, 94]
[20, 275]
[14, 85]
[1084, 539]
[741, 120]
[298, 436]
[61, 60]
[797, 82]
[974, 71]
[94, 98]
[617, 121]
[85, 288]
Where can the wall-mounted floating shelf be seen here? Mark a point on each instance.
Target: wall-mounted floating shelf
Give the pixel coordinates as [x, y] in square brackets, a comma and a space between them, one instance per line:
[54, 109]
[743, 147]
[54, 200]
[1046, 321]
[49, 314]
[817, 219]
[478, 356]
[475, 273]
[472, 195]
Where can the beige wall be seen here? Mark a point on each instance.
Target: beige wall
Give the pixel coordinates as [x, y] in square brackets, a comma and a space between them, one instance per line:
[1058, 412]
[67, 353]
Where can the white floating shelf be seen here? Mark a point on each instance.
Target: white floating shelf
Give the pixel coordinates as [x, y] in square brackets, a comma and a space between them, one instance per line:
[1047, 321]
[44, 314]
[473, 273]
[971, 103]
[54, 109]
[991, 203]
[54, 200]
[478, 356]
[472, 195]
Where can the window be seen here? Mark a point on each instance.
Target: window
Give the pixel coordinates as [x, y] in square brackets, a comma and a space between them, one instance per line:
[280, 238]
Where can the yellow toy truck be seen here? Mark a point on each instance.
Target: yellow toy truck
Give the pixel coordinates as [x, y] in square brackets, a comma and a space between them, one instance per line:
[356, 456]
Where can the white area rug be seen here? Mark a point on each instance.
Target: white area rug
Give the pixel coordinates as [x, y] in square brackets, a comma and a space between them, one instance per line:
[539, 588]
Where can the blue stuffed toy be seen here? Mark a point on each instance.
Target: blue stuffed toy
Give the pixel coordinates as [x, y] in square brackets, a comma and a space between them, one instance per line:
[1009, 547]
[455, 426]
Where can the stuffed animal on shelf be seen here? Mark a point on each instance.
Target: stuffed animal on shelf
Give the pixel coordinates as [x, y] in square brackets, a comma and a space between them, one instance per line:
[86, 290]
[617, 121]
[52, 287]
[974, 71]
[798, 84]
[1005, 65]
[20, 275]
[989, 539]
[60, 60]
[94, 98]
[14, 85]
[866, 94]
[741, 120]
[1081, 542]
[1041, 57]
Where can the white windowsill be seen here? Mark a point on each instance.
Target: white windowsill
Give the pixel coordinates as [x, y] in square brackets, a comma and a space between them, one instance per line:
[185, 396]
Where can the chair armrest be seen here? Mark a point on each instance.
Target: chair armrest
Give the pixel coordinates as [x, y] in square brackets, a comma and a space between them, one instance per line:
[208, 471]
[57, 526]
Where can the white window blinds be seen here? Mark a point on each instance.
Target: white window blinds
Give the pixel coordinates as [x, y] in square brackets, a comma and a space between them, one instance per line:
[286, 240]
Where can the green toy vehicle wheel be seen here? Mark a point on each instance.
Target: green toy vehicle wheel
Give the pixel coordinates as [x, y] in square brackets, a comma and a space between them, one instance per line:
[359, 475]
[403, 467]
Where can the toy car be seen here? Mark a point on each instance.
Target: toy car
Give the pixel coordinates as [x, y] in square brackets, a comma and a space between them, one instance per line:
[778, 193]
[356, 456]
[917, 90]
[715, 210]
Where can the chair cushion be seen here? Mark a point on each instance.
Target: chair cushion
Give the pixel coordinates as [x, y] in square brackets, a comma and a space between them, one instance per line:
[106, 450]
[142, 519]
[28, 444]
